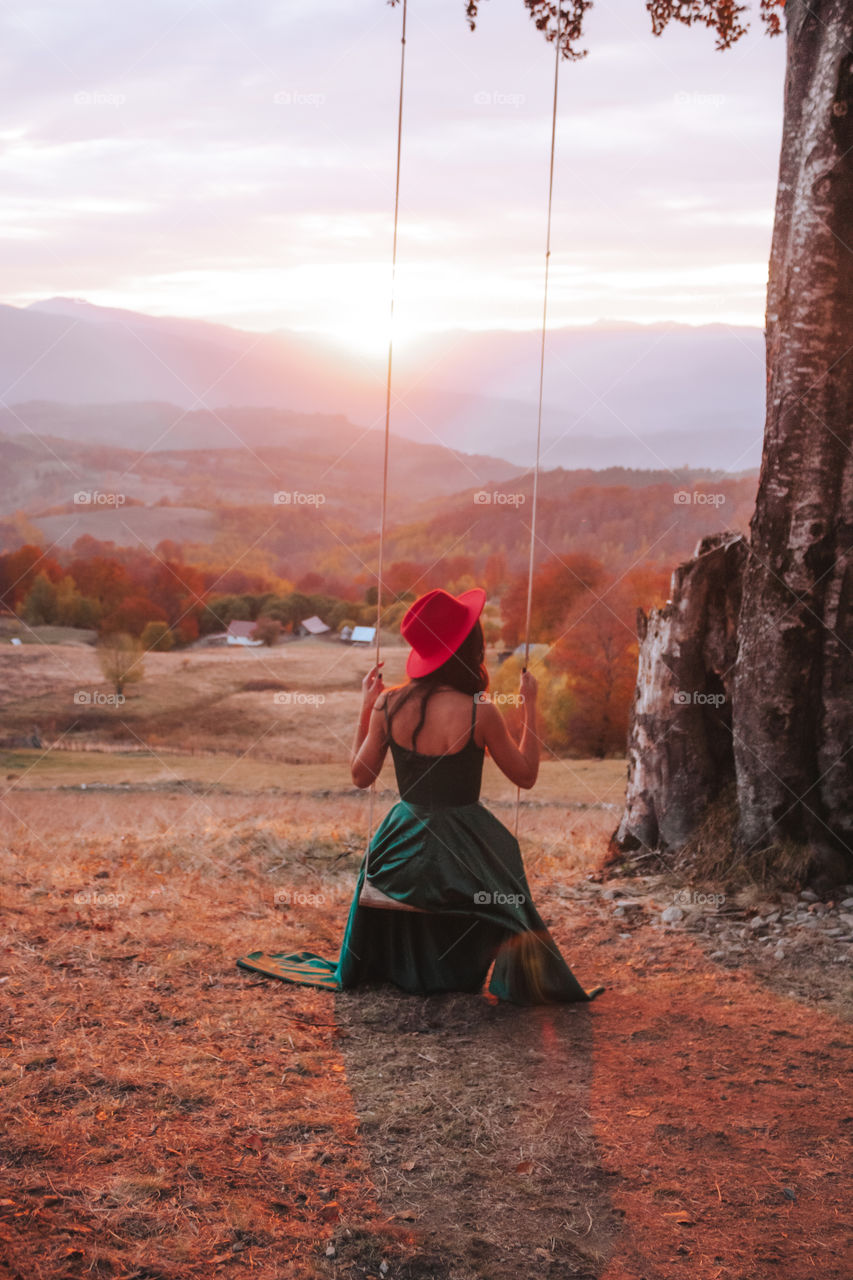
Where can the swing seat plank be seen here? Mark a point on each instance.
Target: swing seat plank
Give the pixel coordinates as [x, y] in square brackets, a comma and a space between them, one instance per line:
[370, 896]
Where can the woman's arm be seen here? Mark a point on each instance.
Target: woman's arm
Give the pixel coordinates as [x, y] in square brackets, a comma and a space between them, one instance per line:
[369, 744]
[519, 763]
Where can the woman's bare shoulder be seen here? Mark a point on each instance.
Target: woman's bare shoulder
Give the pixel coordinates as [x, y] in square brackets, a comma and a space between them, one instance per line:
[391, 696]
[486, 709]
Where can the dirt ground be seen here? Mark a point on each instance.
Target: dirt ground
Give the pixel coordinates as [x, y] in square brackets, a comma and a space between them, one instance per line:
[168, 1116]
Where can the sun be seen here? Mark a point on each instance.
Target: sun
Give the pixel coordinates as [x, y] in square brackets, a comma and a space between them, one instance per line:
[367, 333]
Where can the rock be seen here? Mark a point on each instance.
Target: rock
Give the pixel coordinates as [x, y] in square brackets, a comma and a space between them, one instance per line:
[809, 895]
[846, 905]
[570, 890]
[846, 919]
[717, 955]
[755, 923]
[779, 953]
[671, 915]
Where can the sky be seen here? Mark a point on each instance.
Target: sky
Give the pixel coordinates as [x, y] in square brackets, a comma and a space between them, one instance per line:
[235, 161]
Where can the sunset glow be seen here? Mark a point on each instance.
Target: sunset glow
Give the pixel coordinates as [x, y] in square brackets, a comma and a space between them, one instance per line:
[262, 196]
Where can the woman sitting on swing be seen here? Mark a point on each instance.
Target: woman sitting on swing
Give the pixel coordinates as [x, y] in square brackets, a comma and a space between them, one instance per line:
[448, 874]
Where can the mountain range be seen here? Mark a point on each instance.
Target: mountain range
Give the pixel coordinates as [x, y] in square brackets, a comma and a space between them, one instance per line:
[642, 396]
[133, 429]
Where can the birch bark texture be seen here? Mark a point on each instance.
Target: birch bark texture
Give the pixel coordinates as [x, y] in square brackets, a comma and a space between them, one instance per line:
[791, 674]
[793, 687]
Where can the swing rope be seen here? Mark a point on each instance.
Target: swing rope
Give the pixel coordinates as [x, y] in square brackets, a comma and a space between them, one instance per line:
[384, 507]
[390, 345]
[535, 503]
[384, 502]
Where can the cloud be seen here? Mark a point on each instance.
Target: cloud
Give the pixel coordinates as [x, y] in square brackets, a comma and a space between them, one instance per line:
[207, 156]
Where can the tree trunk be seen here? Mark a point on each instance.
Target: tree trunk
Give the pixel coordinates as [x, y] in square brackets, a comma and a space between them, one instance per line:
[680, 744]
[792, 681]
[793, 686]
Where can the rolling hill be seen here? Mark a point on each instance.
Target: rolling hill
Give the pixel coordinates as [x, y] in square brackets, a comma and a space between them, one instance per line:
[218, 459]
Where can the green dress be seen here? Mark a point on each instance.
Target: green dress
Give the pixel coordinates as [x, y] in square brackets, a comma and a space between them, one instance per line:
[440, 850]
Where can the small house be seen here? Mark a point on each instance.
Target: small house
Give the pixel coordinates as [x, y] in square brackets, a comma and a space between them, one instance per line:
[242, 633]
[363, 635]
[313, 626]
[538, 652]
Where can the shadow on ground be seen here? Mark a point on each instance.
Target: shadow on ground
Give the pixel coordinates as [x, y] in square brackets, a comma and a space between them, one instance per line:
[475, 1118]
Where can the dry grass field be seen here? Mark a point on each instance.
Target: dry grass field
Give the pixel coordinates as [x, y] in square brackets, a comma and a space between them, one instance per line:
[293, 703]
[169, 1117]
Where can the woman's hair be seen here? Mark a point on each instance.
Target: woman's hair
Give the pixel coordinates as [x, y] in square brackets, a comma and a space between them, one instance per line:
[464, 670]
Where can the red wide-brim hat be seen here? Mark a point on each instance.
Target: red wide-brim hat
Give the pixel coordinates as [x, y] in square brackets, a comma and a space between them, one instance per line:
[436, 625]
